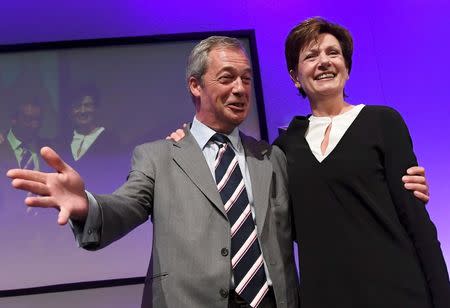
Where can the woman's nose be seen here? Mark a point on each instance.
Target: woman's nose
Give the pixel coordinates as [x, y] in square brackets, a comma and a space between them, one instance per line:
[324, 60]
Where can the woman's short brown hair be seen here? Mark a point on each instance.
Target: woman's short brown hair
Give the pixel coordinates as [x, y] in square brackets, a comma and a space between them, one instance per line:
[308, 31]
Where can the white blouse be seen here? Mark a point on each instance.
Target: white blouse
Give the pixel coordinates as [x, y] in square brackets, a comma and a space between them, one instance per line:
[318, 125]
[81, 143]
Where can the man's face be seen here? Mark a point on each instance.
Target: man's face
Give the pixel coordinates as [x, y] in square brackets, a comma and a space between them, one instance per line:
[84, 112]
[223, 95]
[28, 121]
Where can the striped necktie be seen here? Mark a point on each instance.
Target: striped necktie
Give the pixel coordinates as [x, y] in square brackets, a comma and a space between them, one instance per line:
[246, 258]
[26, 161]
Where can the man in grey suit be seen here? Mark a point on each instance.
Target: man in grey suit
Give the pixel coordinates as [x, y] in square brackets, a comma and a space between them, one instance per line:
[193, 261]
[174, 183]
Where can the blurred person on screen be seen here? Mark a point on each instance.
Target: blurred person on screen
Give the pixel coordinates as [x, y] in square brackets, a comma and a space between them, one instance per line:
[88, 135]
[20, 143]
[19, 148]
[86, 143]
[195, 261]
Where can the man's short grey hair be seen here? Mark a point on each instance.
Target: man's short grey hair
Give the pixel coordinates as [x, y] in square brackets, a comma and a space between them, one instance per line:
[198, 59]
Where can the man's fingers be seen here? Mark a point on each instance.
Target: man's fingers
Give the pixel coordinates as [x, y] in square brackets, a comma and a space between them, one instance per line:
[422, 188]
[54, 160]
[421, 196]
[63, 216]
[39, 201]
[415, 186]
[31, 186]
[413, 179]
[417, 170]
[25, 174]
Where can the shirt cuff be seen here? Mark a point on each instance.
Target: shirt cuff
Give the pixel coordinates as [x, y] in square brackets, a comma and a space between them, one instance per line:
[87, 233]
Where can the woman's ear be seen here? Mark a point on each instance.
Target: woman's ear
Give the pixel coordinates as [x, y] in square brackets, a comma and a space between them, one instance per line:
[294, 79]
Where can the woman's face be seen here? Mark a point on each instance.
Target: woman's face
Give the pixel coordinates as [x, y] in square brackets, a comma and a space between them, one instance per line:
[321, 69]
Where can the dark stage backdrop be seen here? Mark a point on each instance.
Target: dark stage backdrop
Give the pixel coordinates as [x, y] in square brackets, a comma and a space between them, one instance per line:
[139, 84]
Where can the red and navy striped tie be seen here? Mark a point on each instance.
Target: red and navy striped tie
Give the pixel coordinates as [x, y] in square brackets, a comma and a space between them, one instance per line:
[246, 259]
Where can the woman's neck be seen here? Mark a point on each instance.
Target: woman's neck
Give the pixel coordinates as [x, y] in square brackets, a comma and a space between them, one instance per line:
[86, 130]
[328, 106]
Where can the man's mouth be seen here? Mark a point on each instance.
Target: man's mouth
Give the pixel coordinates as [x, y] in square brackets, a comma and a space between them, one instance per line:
[236, 105]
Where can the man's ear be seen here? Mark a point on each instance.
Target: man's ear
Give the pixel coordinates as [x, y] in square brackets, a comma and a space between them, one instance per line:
[194, 86]
[294, 79]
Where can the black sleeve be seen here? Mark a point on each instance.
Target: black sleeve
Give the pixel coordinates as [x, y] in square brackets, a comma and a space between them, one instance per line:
[398, 157]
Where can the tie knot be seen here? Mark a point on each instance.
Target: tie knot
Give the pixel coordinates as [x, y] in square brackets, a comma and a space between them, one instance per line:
[220, 139]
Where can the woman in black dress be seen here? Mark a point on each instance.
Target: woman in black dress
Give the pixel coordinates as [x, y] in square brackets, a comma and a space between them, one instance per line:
[364, 241]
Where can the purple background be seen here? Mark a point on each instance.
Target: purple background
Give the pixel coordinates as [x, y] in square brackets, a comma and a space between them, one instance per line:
[401, 56]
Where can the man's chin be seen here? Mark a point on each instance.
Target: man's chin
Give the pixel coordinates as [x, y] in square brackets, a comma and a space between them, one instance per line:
[238, 121]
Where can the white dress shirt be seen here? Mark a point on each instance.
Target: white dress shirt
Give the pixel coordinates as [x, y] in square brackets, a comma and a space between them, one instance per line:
[81, 143]
[19, 152]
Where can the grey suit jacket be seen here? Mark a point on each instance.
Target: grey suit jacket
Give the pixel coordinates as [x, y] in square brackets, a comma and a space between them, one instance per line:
[190, 264]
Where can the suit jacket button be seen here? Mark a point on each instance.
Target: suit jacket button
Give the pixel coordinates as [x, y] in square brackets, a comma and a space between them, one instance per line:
[224, 252]
[223, 293]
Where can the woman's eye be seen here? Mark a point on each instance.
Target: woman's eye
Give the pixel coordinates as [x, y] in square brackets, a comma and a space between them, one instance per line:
[334, 52]
[310, 56]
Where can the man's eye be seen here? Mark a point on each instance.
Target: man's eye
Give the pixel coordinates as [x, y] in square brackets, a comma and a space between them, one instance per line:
[246, 79]
[226, 79]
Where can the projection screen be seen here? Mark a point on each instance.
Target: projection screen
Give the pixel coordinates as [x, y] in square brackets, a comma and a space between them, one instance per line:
[138, 89]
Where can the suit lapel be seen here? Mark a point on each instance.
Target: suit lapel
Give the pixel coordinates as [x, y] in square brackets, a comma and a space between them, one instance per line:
[188, 155]
[260, 170]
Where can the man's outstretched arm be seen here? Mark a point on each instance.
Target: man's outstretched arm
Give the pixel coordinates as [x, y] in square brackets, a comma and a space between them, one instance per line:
[63, 189]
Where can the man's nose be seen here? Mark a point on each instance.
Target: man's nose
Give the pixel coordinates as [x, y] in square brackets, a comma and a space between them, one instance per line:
[238, 86]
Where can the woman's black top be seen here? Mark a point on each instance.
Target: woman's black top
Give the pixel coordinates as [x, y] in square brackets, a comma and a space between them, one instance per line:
[364, 240]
